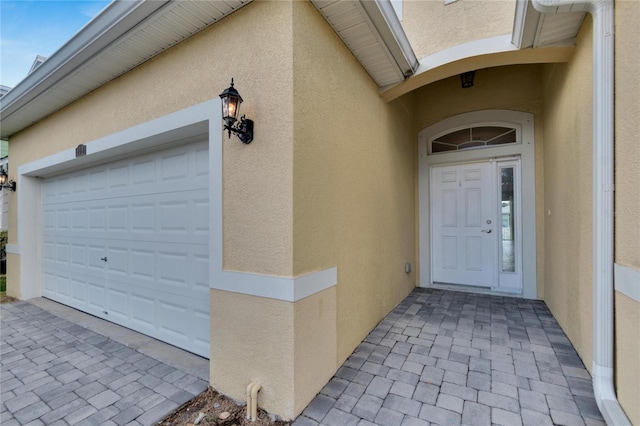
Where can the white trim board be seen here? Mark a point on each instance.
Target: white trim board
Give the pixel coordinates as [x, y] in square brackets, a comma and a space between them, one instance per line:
[627, 281]
[290, 289]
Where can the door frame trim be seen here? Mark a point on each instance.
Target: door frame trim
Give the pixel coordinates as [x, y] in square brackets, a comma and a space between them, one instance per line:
[524, 123]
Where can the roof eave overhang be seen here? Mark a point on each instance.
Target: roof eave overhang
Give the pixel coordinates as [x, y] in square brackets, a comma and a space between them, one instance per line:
[374, 35]
[531, 29]
[525, 25]
[114, 24]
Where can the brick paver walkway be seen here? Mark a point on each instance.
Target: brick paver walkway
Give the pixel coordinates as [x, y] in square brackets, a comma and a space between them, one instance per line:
[55, 372]
[451, 358]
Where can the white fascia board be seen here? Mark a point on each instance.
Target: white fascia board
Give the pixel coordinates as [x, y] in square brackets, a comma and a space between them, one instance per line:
[114, 21]
[525, 24]
[386, 22]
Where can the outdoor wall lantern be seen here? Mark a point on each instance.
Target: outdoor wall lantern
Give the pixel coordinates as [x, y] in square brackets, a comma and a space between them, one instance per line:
[4, 183]
[466, 79]
[231, 101]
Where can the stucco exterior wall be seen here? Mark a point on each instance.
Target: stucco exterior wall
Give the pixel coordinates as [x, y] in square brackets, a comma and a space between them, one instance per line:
[252, 338]
[627, 154]
[257, 178]
[432, 26]
[627, 203]
[353, 187]
[253, 343]
[516, 87]
[568, 202]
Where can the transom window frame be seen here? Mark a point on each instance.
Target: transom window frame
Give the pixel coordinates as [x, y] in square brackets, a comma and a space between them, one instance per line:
[469, 126]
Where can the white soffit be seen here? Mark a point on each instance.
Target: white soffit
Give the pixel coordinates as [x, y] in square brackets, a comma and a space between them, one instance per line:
[124, 35]
[373, 33]
[533, 29]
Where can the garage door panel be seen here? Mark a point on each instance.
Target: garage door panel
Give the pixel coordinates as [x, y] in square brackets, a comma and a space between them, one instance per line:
[62, 219]
[118, 304]
[149, 173]
[63, 286]
[181, 320]
[79, 218]
[159, 215]
[78, 255]
[117, 261]
[174, 166]
[143, 217]
[78, 291]
[144, 263]
[96, 296]
[49, 284]
[118, 176]
[149, 217]
[97, 218]
[117, 218]
[200, 327]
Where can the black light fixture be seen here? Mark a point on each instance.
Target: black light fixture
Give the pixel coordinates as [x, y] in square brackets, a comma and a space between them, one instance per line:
[5, 183]
[231, 101]
[466, 79]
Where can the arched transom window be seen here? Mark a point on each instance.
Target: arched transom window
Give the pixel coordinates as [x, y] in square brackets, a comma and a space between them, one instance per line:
[474, 137]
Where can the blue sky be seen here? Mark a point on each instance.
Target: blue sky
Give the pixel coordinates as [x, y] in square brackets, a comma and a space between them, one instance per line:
[38, 27]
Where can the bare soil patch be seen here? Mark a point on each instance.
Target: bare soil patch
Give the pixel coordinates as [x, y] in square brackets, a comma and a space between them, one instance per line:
[216, 410]
[6, 299]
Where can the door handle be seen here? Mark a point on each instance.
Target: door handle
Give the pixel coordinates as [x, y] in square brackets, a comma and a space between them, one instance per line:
[488, 231]
[105, 258]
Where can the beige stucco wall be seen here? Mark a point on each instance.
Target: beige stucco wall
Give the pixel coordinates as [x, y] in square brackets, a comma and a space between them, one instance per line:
[627, 362]
[252, 340]
[516, 87]
[251, 335]
[627, 203]
[352, 205]
[257, 178]
[314, 352]
[288, 348]
[432, 26]
[354, 171]
[627, 154]
[568, 193]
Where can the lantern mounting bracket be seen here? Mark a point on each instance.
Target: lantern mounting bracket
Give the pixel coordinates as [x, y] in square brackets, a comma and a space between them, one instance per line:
[243, 129]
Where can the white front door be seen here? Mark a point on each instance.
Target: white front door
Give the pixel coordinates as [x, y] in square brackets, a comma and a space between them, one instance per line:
[464, 224]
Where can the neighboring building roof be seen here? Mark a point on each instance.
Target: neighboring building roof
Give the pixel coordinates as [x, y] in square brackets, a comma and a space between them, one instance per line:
[4, 90]
[39, 61]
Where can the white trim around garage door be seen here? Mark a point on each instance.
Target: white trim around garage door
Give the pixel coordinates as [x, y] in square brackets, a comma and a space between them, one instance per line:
[196, 121]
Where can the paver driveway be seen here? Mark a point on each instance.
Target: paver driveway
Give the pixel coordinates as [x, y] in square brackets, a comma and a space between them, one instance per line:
[56, 372]
[450, 358]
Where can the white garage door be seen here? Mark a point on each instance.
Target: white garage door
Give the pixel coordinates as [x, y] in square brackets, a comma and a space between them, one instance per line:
[128, 241]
